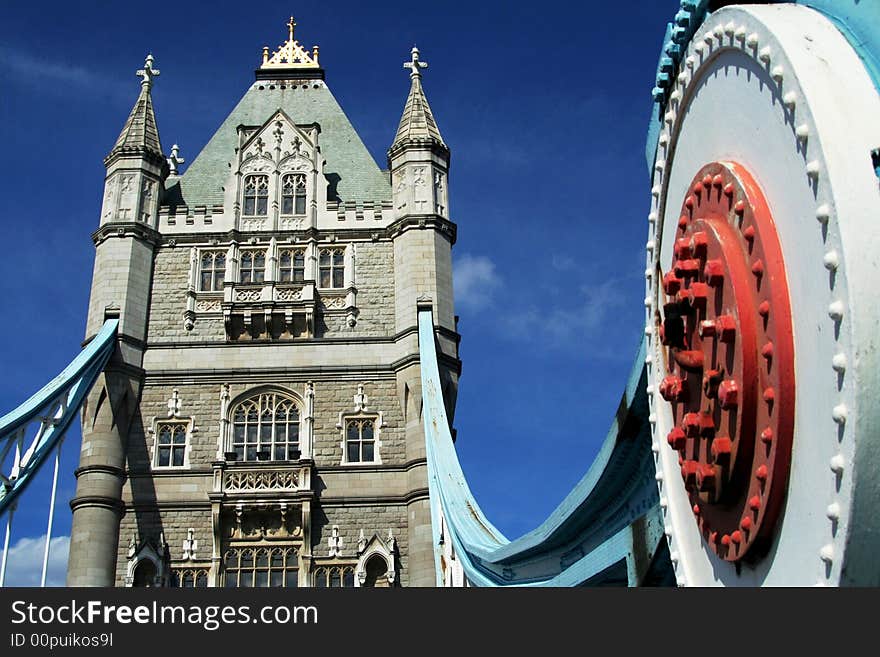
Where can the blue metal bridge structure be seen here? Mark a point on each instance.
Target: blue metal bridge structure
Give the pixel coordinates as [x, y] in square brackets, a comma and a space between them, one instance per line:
[623, 523]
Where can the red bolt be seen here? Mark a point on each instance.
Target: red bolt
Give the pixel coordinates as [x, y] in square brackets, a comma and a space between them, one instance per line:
[725, 540]
[728, 189]
[676, 439]
[767, 351]
[682, 248]
[767, 436]
[691, 424]
[728, 394]
[691, 359]
[688, 267]
[713, 272]
[671, 389]
[736, 537]
[749, 233]
[758, 268]
[707, 180]
[699, 244]
[761, 473]
[689, 472]
[764, 309]
[706, 477]
[698, 294]
[725, 327]
[682, 222]
[698, 188]
[754, 503]
[671, 283]
[721, 448]
[707, 328]
[689, 202]
[718, 180]
[696, 509]
[711, 379]
[769, 395]
[740, 207]
[746, 523]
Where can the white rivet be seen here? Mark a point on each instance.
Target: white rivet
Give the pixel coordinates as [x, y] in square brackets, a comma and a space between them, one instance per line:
[649, 273]
[718, 32]
[649, 246]
[681, 581]
[838, 363]
[655, 190]
[648, 330]
[831, 260]
[650, 389]
[729, 29]
[777, 73]
[667, 529]
[652, 217]
[833, 511]
[835, 310]
[689, 61]
[664, 139]
[675, 96]
[669, 117]
[740, 33]
[700, 46]
[648, 358]
[652, 418]
[802, 131]
[764, 55]
[673, 557]
[682, 80]
[838, 413]
[663, 505]
[752, 40]
[823, 212]
[658, 476]
[813, 169]
[660, 165]
[790, 100]
[827, 553]
[837, 463]
[655, 447]
[647, 302]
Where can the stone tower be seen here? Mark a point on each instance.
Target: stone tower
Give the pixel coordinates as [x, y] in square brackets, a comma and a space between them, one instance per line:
[260, 422]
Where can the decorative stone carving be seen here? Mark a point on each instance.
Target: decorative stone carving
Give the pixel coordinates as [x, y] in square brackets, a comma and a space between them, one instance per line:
[335, 542]
[190, 545]
[255, 480]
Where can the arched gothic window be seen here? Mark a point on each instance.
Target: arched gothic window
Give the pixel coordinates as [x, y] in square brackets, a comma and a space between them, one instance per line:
[253, 266]
[293, 194]
[331, 268]
[213, 270]
[360, 441]
[266, 427]
[256, 196]
[292, 266]
[334, 577]
[261, 567]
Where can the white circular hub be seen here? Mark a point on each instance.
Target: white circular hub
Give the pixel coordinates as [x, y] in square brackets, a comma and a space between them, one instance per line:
[778, 92]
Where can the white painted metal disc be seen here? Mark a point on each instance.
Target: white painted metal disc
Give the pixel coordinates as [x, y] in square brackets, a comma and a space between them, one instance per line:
[778, 90]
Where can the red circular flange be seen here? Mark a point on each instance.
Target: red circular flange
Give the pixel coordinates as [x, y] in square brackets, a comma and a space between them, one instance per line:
[727, 328]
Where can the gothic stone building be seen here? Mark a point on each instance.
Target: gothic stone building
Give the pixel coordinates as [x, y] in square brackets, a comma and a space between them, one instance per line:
[259, 423]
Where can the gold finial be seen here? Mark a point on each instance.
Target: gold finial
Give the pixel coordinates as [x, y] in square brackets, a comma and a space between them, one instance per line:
[265, 54]
[315, 53]
[290, 54]
[290, 25]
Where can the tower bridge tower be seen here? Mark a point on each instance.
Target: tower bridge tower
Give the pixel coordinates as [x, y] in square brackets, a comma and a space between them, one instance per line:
[260, 422]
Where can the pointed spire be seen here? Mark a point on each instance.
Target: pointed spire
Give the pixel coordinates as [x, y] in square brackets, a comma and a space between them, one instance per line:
[417, 122]
[140, 134]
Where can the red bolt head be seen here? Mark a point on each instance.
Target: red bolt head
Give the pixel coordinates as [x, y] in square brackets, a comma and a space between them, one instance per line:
[725, 540]
[689, 202]
[767, 436]
[746, 523]
[707, 180]
[769, 395]
[682, 248]
[686, 268]
[736, 537]
[718, 180]
[749, 233]
[691, 359]
[671, 283]
[728, 189]
[671, 388]
[682, 222]
[758, 267]
[754, 503]
[764, 309]
[707, 328]
[740, 207]
[696, 509]
[761, 473]
[711, 379]
[728, 394]
[713, 272]
[699, 243]
[691, 424]
[698, 188]
[725, 328]
[676, 439]
[698, 293]
[689, 472]
[721, 448]
[767, 351]
[706, 477]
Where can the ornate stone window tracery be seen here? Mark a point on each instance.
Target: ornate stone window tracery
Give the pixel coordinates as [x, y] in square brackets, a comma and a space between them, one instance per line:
[331, 268]
[256, 196]
[360, 441]
[266, 427]
[334, 577]
[292, 266]
[293, 194]
[171, 444]
[253, 267]
[212, 271]
[261, 567]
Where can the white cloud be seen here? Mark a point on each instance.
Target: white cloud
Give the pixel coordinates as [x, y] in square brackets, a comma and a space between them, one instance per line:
[475, 280]
[25, 563]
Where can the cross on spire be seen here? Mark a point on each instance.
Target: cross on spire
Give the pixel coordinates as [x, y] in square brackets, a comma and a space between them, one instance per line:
[290, 25]
[147, 73]
[415, 64]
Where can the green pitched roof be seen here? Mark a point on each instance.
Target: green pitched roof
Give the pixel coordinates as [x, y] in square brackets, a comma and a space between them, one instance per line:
[349, 165]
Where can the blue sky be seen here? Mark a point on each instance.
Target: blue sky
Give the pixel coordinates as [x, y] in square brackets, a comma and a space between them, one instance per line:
[545, 108]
